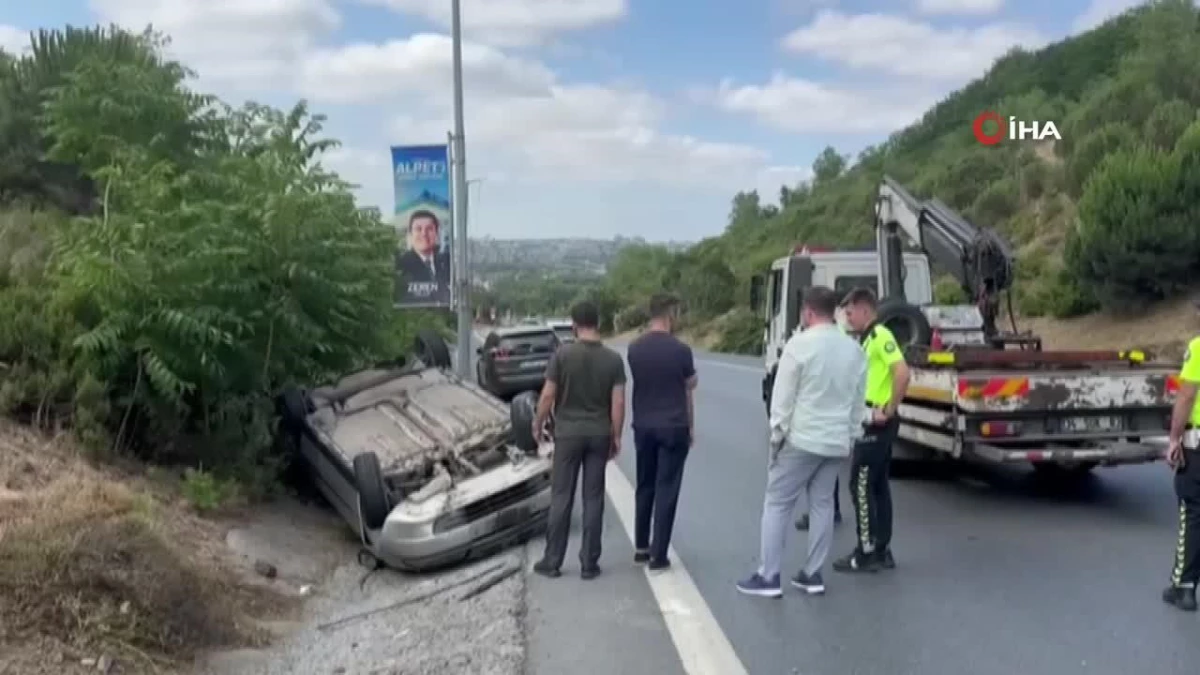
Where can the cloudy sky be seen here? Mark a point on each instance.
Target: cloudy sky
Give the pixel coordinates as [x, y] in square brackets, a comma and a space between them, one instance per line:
[593, 117]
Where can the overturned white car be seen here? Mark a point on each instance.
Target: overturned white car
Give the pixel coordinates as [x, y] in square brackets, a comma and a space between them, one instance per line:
[428, 468]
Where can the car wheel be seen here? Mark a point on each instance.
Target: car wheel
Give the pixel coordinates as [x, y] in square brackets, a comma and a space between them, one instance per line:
[372, 493]
[522, 412]
[432, 349]
[293, 406]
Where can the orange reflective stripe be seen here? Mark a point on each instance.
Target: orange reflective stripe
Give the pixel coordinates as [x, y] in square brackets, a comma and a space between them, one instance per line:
[996, 387]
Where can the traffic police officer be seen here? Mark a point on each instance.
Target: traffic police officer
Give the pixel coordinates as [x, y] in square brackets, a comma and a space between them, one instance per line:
[887, 382]
[1183, 455]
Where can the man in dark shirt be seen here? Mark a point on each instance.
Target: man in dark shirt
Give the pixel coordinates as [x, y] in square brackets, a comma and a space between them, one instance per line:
[664, 377]
[585, 387]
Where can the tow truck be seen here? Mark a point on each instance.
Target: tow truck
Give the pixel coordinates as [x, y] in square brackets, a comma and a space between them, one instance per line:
[977, 392]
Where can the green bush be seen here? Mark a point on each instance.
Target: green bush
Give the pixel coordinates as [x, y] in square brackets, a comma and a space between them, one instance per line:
[1167, 123]
[633, 317]
[220, 262]
[742, 333]
[1134, 241]
[947, 291]
[1093, 149]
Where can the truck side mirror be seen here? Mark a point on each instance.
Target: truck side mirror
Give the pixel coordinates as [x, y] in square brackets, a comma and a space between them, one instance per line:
[756, 291]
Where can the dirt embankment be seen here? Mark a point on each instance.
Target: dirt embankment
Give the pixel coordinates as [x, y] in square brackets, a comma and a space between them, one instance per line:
[1164, 329]
[106, 570]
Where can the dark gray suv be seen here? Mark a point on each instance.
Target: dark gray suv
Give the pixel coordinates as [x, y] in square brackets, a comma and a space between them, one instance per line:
[513, 360]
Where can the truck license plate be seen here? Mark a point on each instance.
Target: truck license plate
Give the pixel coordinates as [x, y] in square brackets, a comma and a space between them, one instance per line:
[512, 518]
[530, 365]
[1092, 424]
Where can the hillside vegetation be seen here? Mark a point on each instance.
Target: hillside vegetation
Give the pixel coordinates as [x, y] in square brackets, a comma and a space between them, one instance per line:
[1104, 219]
[167, 263]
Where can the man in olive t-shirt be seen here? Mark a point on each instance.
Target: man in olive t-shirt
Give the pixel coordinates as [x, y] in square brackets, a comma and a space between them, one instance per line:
[585, 386]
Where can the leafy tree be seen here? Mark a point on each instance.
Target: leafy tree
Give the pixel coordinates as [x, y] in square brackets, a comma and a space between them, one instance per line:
[1133, 242]
[828, 165]
[220, 262]
[1167, 123]
[1093, 149]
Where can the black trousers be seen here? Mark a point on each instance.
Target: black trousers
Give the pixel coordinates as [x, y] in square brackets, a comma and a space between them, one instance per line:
[660, 457]
[1186, 570]
[870, 489]
[573, 455]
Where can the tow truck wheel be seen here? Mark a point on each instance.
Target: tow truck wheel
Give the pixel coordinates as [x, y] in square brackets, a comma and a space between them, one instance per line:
[432, 349]
[373, 499]
[907, 322]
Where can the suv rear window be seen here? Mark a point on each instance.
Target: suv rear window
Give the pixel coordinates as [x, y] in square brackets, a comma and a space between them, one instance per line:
[542, 342]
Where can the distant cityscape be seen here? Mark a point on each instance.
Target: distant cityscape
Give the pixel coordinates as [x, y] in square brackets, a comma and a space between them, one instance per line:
[494, 258]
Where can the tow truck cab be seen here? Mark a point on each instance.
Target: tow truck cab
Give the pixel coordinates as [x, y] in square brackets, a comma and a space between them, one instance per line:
[778, 295]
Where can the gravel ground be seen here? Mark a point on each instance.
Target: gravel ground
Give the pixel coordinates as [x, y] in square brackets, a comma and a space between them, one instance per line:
[416, 624]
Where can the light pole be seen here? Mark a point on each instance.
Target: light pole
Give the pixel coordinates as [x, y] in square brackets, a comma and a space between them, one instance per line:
[460, 200]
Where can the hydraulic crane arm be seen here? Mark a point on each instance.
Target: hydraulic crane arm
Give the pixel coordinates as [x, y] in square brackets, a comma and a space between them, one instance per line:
[978, 258]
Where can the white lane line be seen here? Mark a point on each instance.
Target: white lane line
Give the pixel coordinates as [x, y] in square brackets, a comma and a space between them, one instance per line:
[702, 645]
[731, 366]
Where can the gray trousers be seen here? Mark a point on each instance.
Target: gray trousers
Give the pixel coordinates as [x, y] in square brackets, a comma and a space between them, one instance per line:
[574, 455]
[792, 473]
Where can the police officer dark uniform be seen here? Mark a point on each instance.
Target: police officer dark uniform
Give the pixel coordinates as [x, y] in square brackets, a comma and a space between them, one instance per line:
[1183, 455]
[887, 380]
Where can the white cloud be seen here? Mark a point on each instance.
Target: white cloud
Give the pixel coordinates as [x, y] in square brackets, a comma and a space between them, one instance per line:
[1099, 11]
[245, 44]
[421, 65]
[591, 132]
[803, 106]
[963, 7]
[902, 46]
[13, 40]
[515, 22]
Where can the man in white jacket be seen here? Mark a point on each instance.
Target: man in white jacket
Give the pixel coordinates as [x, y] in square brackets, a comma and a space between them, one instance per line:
[817, 411]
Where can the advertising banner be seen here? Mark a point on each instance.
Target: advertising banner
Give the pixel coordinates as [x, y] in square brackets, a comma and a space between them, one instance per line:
[421, 175]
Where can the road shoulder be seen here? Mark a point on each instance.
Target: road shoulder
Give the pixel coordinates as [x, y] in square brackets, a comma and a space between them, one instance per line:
[610, 625]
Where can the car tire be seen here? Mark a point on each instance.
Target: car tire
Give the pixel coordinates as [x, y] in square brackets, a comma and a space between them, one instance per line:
[373, 500]
[907, 322]
[432, 349]
[293, 406]
[522, 411]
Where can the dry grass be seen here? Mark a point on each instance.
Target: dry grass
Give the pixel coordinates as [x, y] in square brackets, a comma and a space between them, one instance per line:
[1163, 329]
[99, 563]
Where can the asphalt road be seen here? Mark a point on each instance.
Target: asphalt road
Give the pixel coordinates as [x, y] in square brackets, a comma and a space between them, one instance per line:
[998, 572]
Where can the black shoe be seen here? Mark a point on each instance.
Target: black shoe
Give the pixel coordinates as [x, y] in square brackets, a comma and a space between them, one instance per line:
[802, 523]
[813, 585]
[640, 557]
[543, 568]
[886, 561]
[1183, 597]
[658, 565]
[856, 562]
[589, 572]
